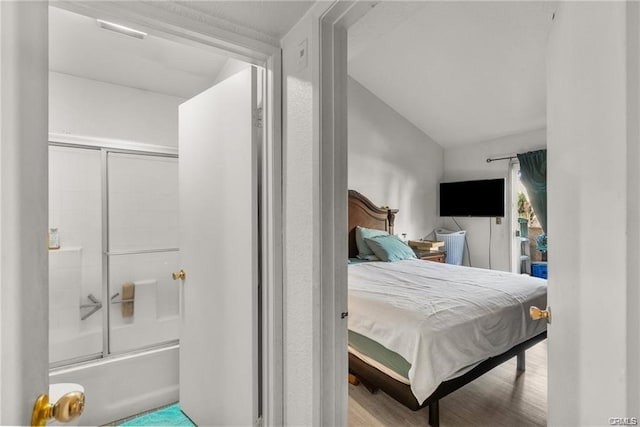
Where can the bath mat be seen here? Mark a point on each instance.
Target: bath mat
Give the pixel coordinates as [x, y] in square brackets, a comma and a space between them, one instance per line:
[168, 416]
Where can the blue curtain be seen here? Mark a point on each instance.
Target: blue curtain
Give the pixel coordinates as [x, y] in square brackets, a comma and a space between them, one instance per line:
[533, 174]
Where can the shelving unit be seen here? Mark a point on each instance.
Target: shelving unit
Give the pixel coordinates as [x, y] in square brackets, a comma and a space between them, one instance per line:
[525, 256]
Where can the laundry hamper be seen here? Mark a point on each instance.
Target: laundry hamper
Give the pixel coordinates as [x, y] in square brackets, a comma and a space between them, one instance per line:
[453, 244]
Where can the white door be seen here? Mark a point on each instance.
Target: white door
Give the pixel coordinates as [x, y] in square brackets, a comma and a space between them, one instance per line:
[593, 337]
[219, 244]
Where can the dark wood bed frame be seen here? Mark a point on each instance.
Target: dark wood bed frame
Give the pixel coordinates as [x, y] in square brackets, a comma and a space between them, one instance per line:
[362, 212]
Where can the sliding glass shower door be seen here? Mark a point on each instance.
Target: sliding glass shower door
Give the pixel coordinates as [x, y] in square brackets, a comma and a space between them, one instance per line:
[75, 260]
[142, 250]
[114, 218]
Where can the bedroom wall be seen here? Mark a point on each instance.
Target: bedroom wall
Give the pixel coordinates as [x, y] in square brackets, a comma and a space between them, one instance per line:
[79, 106]
[393, 162]
[469, 162]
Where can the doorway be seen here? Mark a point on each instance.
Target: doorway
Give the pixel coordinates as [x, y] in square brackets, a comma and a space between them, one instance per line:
[528, 253]
[126, 139]
[395, 180]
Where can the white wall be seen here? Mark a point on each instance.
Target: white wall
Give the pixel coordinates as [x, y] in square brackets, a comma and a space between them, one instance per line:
[308, 368]
[231, 67]
[393, 162]
[469, 162]
[300, 280]
[79, 106]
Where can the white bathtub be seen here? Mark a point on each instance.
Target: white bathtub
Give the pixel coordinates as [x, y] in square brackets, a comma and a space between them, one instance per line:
[120, 387]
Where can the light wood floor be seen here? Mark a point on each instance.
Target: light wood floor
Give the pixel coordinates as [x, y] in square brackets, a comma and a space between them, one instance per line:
[498, 398]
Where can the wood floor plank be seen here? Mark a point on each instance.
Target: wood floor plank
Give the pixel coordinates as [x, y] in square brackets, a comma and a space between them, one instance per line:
[501, 397]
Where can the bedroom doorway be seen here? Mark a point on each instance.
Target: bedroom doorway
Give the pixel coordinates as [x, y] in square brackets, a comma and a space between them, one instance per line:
[585, 104]
[369, 119]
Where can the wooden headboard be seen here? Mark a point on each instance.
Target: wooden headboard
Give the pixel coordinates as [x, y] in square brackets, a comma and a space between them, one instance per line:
[364, 213]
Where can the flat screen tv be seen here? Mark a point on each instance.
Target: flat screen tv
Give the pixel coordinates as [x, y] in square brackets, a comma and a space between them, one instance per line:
[483, 198]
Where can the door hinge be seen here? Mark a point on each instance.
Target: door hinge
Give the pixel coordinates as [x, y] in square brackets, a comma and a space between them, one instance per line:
[344, 314]
[258, 117]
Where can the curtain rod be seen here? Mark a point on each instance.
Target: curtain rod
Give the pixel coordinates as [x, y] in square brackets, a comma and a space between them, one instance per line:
[489, 160]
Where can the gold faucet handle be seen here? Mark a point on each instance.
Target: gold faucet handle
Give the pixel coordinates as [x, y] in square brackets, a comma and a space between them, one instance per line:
[537, 314]
[179, 275]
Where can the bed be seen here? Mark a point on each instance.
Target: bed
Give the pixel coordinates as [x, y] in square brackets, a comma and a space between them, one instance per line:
[419, 330]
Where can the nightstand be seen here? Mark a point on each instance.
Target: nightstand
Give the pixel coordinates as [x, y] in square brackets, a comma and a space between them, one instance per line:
[438, 256]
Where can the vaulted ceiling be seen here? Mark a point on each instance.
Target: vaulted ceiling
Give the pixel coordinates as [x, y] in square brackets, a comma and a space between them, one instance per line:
[462, 72]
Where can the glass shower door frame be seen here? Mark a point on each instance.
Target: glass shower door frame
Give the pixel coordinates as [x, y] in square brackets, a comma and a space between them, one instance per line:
[107, 147]
[107, 253]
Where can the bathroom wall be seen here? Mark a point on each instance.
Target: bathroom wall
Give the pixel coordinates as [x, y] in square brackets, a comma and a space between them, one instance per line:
[79, 106]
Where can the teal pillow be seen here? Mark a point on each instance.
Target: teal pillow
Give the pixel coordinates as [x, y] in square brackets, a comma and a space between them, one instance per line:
[366, 233]
[390, 248]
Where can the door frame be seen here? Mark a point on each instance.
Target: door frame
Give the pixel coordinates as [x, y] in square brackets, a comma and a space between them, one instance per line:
[333, 175]
[568, 402]
[173, 22]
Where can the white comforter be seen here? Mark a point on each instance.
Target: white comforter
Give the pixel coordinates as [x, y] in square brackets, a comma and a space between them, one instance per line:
[443, 319]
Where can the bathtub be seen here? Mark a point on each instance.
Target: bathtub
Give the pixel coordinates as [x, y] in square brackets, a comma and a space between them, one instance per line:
[121, 386]
[135, 381]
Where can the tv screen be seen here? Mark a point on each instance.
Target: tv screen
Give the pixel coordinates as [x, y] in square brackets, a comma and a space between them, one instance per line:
[472, 198]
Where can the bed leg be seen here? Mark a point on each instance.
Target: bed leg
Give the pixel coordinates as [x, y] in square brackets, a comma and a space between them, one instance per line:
[434, 414]
[520, 360]
[353, 380]
[372, 389]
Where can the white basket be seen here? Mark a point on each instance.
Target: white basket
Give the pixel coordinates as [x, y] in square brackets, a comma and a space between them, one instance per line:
[453, 244]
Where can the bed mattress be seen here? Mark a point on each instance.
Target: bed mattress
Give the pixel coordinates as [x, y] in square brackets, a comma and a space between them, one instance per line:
[380, 357]
[442, 319]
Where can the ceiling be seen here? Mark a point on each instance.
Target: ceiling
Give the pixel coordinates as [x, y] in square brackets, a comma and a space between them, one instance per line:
[462, 72]
[79, 47]
[269, 17]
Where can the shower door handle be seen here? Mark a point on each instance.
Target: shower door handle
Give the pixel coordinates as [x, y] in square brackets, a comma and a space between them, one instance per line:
[181, 275]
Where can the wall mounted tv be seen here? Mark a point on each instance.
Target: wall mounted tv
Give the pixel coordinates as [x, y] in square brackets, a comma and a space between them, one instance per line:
[483, 198]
